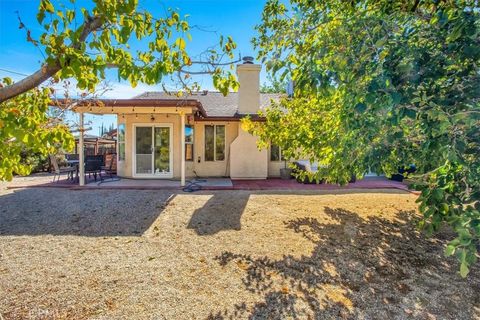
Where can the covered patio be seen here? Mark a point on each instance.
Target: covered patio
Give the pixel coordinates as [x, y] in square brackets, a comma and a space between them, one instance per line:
[154, 145]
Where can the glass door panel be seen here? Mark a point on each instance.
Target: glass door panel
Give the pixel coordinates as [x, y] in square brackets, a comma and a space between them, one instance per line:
[143, 152]
[162, 151]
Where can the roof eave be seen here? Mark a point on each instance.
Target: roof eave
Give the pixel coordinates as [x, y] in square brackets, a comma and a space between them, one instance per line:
[129, 103]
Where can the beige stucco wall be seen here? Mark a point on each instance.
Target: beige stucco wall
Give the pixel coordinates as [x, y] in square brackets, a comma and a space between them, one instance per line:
[274, 166]
[202, 168]
[249, 90]
[247, 161]
[211, 168]
[243, 160]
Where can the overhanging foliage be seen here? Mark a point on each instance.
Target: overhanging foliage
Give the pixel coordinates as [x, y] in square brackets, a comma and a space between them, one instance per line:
[381, 85]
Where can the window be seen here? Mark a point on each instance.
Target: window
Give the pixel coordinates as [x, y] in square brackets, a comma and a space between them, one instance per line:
[214, 142]
[121, 142]
[276, 153]
[188, 143]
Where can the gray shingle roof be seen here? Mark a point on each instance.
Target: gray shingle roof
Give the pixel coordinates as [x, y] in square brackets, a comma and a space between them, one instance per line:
[214, 103]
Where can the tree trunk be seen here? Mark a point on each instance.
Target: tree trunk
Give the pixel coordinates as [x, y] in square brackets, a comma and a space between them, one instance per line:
[28, 83]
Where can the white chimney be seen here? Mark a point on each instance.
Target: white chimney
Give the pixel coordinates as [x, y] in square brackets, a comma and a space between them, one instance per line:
[249, 91]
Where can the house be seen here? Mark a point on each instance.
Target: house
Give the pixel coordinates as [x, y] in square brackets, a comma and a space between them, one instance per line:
[112, 134]
[162, 136]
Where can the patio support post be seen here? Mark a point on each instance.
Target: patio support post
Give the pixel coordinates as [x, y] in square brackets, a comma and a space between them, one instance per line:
[96, 146]
[182, 139]
[81, 157]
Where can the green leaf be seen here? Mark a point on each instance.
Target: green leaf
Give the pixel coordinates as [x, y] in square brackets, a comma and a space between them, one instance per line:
[380, 42]
[437, 194]
[396, 98]
[412, 114]
[464, 270]
[40, 16]
[449, 250]
[360, 107]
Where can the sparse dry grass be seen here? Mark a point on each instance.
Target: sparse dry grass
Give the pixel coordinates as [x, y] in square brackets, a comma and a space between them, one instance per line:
[221, 255]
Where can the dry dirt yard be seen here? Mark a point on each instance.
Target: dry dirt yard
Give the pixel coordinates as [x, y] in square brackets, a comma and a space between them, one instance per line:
[224, 255]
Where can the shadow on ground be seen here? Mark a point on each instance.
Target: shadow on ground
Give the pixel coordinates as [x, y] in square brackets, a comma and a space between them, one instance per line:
[372, 269]
[93, 213]
[102, 213]
[97, 213]
[223, 212]
[214, 216]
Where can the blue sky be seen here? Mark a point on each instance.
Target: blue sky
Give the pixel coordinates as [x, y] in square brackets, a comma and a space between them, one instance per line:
[214, 17]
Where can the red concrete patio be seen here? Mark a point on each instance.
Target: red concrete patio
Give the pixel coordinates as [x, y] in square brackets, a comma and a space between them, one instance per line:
[279, 184]
[44, 181]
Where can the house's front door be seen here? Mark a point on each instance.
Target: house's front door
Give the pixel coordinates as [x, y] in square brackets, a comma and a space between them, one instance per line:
[153, 151]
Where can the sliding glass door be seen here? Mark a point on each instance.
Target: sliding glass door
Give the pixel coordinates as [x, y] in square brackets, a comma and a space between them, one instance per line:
[153, 151]
[161, 151]
[143, 152]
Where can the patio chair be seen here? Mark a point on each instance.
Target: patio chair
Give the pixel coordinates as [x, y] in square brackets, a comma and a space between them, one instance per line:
[57, 170]
[93, 165]
[309, 168]
[72, 156]
[110, 168]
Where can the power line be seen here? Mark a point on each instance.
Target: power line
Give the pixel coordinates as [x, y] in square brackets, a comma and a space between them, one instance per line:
[14, 72]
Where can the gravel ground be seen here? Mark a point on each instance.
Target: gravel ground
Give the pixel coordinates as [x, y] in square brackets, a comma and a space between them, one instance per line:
[224, 255]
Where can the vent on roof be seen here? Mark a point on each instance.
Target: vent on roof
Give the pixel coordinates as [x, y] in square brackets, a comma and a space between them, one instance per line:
[247, 60]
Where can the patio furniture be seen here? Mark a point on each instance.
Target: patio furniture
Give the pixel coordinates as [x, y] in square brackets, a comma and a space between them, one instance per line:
[74, 164]
[403, 172]
[308, 167]
[93, 165]
[110, 168]
[72, 157]
[73, 160]
[57, 170]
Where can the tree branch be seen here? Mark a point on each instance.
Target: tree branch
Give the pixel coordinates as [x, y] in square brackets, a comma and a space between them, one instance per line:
[415, 5]
[48, 70]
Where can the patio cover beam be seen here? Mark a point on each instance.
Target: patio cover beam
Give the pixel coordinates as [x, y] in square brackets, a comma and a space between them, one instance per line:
[131, 106]
[182, 141]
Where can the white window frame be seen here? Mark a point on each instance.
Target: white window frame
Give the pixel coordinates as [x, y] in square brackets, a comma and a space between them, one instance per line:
[192, 143]
[214, 142]
[280, 154]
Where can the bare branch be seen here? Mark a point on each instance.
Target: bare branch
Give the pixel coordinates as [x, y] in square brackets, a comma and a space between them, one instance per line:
[48, 70]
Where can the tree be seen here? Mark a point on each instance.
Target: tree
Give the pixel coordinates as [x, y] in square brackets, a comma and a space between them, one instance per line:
[274, 85]
[102, 40]
[26, 127]
[380, 85]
